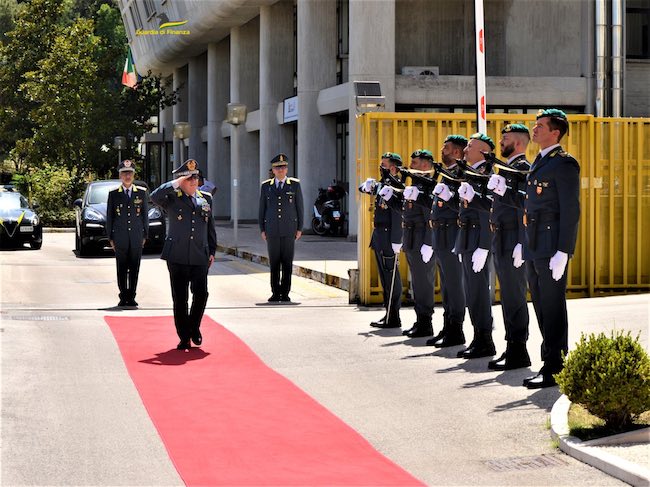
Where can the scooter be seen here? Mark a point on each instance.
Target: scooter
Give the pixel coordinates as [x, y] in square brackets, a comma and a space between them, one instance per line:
[328, 217]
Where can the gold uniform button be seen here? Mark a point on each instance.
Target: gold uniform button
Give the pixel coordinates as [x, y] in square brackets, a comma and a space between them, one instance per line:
[192, 237]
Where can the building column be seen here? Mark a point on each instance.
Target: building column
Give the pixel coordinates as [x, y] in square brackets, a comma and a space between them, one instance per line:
[180, 109]
[276, 80]
[197, 116]
[316, 158]
[372, 58]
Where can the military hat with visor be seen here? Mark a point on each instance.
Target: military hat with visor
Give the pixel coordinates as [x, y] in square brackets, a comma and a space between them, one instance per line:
[280, 160]
[189, 168]
[126, 165]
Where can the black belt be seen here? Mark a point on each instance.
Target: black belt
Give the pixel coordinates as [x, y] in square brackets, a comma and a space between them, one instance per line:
[413, 225]
[511, 225]
[466, 223]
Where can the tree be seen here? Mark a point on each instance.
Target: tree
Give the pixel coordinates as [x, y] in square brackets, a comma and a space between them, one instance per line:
[8, 12]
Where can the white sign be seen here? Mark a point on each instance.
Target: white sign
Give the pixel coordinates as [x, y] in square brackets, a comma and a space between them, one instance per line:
[290, 109]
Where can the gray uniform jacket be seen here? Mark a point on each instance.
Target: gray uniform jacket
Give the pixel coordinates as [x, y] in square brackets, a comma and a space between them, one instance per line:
[127, 221]
[191, 237]
[281, 210]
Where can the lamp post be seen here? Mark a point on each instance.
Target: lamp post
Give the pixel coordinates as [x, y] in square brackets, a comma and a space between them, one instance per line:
[119, 143]
[236, 116]
[181, 132]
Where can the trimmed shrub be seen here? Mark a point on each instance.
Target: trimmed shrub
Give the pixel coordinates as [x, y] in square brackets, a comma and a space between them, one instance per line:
[609, 376]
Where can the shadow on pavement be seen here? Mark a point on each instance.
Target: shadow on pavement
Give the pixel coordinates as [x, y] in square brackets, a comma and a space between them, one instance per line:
[176, 357]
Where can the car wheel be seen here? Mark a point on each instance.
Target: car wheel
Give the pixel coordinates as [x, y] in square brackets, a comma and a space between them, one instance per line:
[83, 249]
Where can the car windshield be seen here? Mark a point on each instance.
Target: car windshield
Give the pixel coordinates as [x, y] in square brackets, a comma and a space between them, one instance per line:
[98, 193]
[12, 201]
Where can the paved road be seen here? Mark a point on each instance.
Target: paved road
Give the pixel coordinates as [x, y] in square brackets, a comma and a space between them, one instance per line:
[71, 416]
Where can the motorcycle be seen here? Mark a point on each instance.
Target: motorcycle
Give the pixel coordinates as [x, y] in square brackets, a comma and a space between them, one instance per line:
[328, 217]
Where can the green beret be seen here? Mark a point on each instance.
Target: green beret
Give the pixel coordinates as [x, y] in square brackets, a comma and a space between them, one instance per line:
[551, 112]
[515, 127]
[393, 156]
[457, 139]
[422, 154]
[484, 138]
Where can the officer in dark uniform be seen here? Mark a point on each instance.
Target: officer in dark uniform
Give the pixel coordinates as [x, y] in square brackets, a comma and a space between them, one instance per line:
[127, 228]
[189, 248]
[473, 244]
[386, 241]
[281, 222]
[552, 214]
[507, 225]
[418, 246]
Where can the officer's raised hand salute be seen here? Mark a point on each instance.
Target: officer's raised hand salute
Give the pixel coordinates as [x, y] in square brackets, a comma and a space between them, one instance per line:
[552, 213]
[189, 248]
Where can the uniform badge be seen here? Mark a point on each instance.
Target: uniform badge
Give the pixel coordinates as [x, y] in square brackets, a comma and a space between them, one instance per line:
[539, 190]
[191, 164]
[410, 205]
[137, 200]
[525, 220]
[465, 204]
[180, 217]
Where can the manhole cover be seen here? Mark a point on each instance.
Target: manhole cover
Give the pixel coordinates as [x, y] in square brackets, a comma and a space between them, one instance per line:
[526, 463]
[38, 318]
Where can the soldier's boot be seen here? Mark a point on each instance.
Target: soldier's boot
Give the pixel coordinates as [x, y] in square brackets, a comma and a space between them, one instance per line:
[378, 323]
[454, 335]
[422, 328]
[413, 327]
[483, 346]
[515, 357]
[393, 320]
[441, 335]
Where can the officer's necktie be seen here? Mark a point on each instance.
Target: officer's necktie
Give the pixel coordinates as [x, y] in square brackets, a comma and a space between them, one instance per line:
[280, 185]
[128, 194]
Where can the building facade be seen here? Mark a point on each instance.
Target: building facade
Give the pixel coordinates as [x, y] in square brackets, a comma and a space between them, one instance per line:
[293, 63]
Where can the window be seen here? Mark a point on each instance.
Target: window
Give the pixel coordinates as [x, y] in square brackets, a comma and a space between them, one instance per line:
[135, 16]
[343, 36]
[149, 9]
[637, 28]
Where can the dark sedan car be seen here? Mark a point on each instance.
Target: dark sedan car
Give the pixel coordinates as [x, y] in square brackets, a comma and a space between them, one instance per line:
[19, 224]
[90, 232]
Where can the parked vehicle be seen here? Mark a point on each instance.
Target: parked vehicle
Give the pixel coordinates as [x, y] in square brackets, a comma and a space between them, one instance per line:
[328, 217]
[90, 211]
[19, 223]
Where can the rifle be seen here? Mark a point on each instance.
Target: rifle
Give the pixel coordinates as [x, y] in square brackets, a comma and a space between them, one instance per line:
[489, 156]
[390, 180]
[425, 178]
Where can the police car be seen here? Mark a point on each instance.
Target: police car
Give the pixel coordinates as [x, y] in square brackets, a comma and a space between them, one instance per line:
[19, 223]
[90, 211]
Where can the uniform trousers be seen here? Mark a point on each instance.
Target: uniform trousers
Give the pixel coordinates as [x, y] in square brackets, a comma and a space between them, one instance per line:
[196, 278]
[549, 301]
[451, 284]
[128, 268]
[422, 280]
[281, 262]
[477, 293]
[512, 282]
[386, 267]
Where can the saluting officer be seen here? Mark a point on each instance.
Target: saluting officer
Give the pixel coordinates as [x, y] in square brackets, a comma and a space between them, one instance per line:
[281, 221]
[189, 248]
[552, 213]
[127, 228]
[386, 241]
[506, 223]
[473, 244]
[418, 246]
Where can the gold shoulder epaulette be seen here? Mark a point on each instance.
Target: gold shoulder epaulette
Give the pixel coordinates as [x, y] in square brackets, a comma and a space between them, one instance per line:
[199, 193]
[179, 193]
[142, 188]
[294, 179]
[268, 181]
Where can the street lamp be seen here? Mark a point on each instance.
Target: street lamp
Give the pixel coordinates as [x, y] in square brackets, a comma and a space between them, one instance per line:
[119, 143]
[236, 116]
[368, 96]
[182, 132]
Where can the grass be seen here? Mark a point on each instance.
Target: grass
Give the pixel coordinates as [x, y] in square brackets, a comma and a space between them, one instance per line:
[586, 426]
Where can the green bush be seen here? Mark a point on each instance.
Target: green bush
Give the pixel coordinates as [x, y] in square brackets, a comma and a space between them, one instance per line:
[610, 377]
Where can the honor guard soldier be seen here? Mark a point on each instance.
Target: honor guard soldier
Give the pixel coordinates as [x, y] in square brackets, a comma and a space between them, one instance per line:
[189, 248]
[552, 213]
[507, 225]
[386, 241]
[281, 221]
[127, 228]
[417, 240]
[473, 244]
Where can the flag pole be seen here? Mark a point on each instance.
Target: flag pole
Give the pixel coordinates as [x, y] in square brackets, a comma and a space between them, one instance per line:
[481, 119]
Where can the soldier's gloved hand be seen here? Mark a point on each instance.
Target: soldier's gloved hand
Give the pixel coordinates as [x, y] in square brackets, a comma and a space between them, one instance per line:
[411, 193]
[466, 191]
[443, 191]
[497, 184]
[386, 192]
[517, 256]
[557, 264]
[397, 247]
[367, 185]
[426, 251]
[479, 257]
[177, 182]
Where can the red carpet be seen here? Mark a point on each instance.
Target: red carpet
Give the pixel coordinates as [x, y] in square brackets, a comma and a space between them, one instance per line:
[228, 419]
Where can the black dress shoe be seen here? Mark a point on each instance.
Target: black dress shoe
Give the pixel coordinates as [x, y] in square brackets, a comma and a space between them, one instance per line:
[184, 345]
[197, 338]
[483, 346]
[420, 332]
[285, 298]
[499, 363]
[451, 339]
[275, 298]
[540, 381]
[379, 322]
[133, 302]
[122, 303]
[406, 332]
[389, 324]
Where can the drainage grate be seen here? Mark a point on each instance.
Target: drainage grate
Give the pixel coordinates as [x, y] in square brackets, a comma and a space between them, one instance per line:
[38, 318]
[526, 463]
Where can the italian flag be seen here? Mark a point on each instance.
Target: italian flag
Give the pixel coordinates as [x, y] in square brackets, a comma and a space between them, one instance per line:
[130, 76]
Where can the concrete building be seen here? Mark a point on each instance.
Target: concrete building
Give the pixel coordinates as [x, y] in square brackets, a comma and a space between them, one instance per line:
[292, 63]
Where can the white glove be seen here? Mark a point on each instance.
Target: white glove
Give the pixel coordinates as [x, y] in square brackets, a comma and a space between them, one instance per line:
[396, 247]
[479, 257]
[466, 191]
[557, 264]
[426, 251]
[443, 191]
[386, 192]
[497, 184]
[460, 258]
[517, 256]
[411, 193]
[367, 185]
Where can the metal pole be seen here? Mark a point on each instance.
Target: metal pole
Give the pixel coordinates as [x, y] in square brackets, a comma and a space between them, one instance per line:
[618, 59]
[119, 156]
[235, 182]
[601, 67]
[481, 102]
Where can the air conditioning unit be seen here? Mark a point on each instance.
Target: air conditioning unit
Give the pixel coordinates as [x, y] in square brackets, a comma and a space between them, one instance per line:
[421, 70]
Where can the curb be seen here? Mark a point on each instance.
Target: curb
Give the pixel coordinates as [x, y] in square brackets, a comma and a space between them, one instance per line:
[318, 276]
[586, 452]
